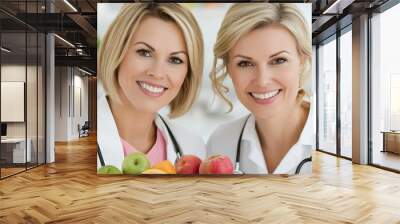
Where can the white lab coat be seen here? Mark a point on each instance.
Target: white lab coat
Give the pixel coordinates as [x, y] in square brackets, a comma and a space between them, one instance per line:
[225, 138]
[110, 144]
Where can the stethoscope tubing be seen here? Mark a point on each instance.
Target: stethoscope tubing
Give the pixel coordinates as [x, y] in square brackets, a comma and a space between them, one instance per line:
[177, 148]
[179, 153]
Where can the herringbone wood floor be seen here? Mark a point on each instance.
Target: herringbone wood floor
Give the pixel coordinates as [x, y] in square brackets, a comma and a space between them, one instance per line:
[69, 191]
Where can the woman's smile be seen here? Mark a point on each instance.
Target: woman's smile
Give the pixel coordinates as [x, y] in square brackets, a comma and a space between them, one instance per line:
[266, 97]
[151, 89]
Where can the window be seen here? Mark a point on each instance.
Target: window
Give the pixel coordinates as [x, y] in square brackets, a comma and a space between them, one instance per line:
[385, 89]
[327, 96]
[346, 94]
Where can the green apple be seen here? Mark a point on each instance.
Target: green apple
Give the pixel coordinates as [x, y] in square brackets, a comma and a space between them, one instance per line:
[109, 169]
[135, 163]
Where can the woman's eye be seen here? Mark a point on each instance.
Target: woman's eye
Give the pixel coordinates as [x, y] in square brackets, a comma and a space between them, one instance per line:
[278, 61]
[144, 52]
[175, 60]
[245, 64]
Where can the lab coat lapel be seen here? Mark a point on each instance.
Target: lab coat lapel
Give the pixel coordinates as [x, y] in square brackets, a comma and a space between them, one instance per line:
[300, 151]
[108, 136]
[306, 137]
[171, 155]
[291, 160]
[252, 158]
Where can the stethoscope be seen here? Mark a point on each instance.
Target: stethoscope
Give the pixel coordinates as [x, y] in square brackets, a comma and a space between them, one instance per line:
[238, 150]
[177, 148]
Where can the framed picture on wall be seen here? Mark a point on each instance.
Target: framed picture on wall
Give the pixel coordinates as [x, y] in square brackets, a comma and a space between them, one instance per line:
[204, 88]
[12, 101]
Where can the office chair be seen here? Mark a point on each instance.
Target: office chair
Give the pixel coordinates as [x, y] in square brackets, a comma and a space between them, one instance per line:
[84, 130]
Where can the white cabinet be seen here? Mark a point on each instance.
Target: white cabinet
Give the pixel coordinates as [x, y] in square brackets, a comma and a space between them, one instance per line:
[18, 146]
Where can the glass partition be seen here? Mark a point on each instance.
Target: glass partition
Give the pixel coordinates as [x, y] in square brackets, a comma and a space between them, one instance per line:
[22, 88]
[13, 103]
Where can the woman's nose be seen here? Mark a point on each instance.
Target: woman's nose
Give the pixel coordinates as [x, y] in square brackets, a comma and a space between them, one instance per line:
[157, 69]
[263, 76]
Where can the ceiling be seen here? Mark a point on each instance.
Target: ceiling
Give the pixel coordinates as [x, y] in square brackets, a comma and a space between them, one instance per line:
[333, 15]
[76, 23]
[76, 26]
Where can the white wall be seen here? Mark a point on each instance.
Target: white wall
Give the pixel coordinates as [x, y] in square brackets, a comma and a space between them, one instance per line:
[69, 85]
[33, 126]
[16, 73]
[61, 103]
[79, 117]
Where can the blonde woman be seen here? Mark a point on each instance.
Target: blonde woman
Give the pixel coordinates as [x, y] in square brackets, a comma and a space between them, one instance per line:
[151, 57]
[265, 48]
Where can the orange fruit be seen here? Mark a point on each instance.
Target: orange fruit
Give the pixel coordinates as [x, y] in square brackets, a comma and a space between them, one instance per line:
[165, 166]
[154, 171]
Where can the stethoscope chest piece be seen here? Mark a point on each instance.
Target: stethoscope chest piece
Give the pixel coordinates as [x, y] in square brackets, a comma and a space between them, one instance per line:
[237, 169]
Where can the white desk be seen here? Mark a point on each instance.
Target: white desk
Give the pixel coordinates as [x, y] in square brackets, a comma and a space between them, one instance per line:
[19, 149]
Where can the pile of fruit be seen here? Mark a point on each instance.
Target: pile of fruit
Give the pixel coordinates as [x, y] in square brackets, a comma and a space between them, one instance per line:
[138, 163]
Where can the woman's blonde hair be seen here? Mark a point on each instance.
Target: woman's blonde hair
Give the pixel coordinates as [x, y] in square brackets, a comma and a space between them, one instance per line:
[119, 35]
[243, 18]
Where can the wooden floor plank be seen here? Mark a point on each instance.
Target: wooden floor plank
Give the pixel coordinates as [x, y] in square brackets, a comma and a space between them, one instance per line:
[69, 191]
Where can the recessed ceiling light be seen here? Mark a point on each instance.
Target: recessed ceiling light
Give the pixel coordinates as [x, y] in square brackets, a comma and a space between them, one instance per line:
[84, 71]
[70, 5]
[5, 50]
[64, 40]
[337, 6]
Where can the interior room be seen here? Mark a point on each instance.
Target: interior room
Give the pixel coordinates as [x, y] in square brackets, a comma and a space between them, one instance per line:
[49, 145]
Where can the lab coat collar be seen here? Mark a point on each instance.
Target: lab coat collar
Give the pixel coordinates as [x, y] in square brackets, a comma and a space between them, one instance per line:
[252, 150]
[306, 136]
[299, 151]
[109, 142]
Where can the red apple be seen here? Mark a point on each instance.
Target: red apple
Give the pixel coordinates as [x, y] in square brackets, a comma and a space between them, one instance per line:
[217, 164]
[188, 164]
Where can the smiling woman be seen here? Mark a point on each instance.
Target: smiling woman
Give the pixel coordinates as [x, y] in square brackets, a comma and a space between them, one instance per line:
[153, 71]
[266, 50]
[151, 57]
